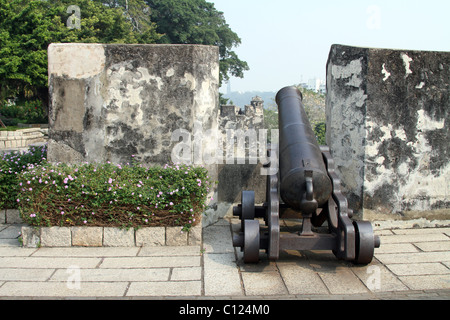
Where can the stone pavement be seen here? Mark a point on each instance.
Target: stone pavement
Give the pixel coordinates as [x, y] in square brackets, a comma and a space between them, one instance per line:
[410, 264]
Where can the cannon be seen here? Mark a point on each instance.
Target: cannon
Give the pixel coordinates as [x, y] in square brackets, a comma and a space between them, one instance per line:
[307, 188]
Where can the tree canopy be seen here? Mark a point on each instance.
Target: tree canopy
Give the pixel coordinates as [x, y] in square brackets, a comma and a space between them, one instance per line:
[28, 27]
[198, 22]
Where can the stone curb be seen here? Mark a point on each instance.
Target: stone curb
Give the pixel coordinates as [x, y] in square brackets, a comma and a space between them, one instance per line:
[34, 237]
[10, 216]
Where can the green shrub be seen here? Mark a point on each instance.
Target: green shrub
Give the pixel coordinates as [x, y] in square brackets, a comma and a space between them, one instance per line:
[27, 112]
[320, 132]
[112, 195]
[11, 165]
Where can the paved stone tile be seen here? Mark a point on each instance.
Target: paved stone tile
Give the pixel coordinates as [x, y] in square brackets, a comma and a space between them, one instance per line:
[170, 251]
[10, 232]
[217, 239]
[263, 283]
[413, 238]
[87, 252]
[396, 248]
[415, 269]
[170, 288]
[433, 246]
[41, 262]
[418, 257]
[20, 274]
[16, 252]
[63, 289]
[429, 282]
[377, 278]
[222, 282]
[184, 274]
[221, 275]
[301, 279]
[342, 281]
[99, 275]
[421, 231]
[9, 243]
[150, 262]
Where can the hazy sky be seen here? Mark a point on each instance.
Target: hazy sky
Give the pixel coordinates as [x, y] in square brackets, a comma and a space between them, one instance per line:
[286, 42]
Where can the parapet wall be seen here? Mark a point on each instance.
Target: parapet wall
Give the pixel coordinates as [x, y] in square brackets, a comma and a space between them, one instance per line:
[111, 101]
[388, 115]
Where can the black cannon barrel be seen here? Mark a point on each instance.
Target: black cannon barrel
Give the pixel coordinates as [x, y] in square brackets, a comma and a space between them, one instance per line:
[300, 157]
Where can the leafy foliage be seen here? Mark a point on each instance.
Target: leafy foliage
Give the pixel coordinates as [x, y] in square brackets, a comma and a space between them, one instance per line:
[11, 165]
[30, 111]
[198, 22]
[28, 27]
[112, 195]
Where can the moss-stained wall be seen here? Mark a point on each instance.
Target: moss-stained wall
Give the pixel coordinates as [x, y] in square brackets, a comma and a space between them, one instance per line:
[388, 115]
[109, 102]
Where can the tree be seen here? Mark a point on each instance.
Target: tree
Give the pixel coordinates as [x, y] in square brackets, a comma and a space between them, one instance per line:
[28, 27]
[198, 22]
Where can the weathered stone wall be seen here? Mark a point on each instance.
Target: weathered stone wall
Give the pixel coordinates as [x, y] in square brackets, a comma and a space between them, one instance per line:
[388, 115]
[109, 102]
[21, 138]
[239, 171]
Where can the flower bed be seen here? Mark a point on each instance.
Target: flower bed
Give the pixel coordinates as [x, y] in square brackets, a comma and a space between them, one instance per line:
[108, 195]
[12, 164]
[147, 206]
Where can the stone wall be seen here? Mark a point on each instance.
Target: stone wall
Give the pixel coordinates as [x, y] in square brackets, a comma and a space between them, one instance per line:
[238, 171]
[21, 138]
[388, 128]
[109, 102]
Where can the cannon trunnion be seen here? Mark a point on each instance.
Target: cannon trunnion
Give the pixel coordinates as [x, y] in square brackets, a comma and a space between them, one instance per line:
[309, 189]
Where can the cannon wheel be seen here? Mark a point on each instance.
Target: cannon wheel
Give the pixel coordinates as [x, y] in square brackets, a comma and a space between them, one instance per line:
[251, 241]
[248, 207]
[365, 242]
[272, 217]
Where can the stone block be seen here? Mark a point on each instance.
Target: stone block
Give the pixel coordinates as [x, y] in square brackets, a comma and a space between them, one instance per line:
[195, 235]
[87, 236]
[110, 101]
[2, 216]
[31, 237]
[115, 237]
[387, 112]
[13, 216]
[154, 236]
[176, 237]
[56, 237]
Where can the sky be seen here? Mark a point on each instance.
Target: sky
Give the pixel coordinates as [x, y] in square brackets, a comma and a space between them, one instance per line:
[287, 42]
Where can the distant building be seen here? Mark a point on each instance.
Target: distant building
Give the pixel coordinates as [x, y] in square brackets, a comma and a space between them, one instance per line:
[317, 85]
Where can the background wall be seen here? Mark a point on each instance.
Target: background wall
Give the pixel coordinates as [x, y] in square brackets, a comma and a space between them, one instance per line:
[388, 115]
